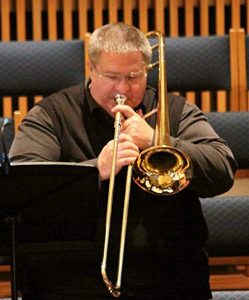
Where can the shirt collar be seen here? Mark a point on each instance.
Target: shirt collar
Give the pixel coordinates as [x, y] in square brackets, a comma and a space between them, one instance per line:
[91, 102]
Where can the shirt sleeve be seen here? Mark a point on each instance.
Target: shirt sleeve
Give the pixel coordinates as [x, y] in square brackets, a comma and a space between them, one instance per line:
[213, 163]
[35, 139]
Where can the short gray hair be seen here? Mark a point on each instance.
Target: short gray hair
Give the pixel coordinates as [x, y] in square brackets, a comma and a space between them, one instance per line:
[118, 38]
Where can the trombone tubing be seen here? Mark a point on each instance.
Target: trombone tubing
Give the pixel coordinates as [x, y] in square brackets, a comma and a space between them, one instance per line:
[115, 290]
[162, 129]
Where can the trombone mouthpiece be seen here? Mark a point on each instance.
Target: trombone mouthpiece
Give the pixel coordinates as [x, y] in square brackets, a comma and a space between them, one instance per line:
[120, 99]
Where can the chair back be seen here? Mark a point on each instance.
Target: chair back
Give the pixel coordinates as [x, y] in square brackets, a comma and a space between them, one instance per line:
[40, 68]
[195, 63]
[228, 223]
[234, 128]
[231, 295]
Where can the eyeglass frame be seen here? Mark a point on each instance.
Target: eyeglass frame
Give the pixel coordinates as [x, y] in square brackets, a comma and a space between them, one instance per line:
[117, 77]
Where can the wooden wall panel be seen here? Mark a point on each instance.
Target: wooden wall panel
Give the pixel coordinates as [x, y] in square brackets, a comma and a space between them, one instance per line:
[83, 18]
[113, 11]
[67, 19]
[127, 12]
[98, 12]
[5, 20]
[21, 21]
[159, 6]
[173, 18]
[52, 19]
[143, 15]
[37, 19]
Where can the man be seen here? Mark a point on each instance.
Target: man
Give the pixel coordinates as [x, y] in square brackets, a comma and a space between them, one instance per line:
[164, 255]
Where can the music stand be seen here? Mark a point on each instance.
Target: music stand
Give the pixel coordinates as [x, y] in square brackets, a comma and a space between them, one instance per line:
[49, 202]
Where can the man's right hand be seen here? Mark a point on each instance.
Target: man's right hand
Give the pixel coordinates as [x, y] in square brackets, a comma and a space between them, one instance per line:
[126, 155]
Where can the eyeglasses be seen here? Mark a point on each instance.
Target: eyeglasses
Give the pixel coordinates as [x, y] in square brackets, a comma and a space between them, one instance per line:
[115, 78]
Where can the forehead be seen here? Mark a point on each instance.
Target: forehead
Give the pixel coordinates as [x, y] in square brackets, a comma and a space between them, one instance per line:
[116, 61]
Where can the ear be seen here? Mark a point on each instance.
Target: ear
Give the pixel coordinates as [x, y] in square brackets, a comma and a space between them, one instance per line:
[91, 68]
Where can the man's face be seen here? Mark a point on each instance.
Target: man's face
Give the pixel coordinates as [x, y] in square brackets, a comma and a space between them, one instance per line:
[118, 74]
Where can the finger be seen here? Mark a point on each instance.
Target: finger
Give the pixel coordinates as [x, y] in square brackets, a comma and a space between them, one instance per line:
[126, 147]
[123, 137]
[132, 122]
[128, 153]
[125, 110]
[126, 161]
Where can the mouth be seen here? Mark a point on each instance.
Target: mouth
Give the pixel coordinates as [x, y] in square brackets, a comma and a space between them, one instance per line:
[120, 99]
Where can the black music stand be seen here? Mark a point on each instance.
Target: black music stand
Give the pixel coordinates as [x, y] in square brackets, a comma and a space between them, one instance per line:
[48, 202]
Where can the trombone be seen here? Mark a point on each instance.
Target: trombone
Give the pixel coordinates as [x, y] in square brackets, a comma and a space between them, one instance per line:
[160, 169]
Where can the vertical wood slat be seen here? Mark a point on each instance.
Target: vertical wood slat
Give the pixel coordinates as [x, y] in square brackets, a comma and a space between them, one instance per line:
[220, 30]
[68, 19]
[159, 16]
[234, 95]
[235, 8]
[37, 7]
[23, 105]
[204, 30]
[127, 8]
[7, 107]
[98, 13]
[17, 119]
[113, 11]
[86, 43]
[247, 32]
[143, 15]
[219, 17]
[204, 17]
[5, 32]
[243, 102]
[247, 16]
[247, 100]
[83, 18]
[173, 18]
[189, 31]
[37, 19]
[21, 20]
[5, 20]
[189, 17]
[37, 98]
[52, 19]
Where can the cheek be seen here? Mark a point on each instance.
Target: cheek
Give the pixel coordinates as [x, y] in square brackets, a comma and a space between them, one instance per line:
[99, 92]
[102, 95]
[137, 95]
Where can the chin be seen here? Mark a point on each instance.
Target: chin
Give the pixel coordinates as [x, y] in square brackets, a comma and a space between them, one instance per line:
[133, 104]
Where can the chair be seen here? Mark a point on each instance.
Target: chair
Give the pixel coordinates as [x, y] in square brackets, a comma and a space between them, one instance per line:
[234, 128]
[227, 215]
[200, 64]
[228, 243]
[29, 71]
[32, 69]
[231, 295]
[243, 65]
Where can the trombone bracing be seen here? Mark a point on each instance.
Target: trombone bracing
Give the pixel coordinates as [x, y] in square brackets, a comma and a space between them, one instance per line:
[160, 169]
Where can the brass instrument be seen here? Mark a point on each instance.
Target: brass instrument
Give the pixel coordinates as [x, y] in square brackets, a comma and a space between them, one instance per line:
[161, 169]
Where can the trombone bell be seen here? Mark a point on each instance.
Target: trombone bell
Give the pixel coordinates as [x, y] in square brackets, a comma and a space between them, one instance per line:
[162, 170]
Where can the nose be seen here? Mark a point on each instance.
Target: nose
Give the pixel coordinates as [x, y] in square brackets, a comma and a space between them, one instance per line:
[122, 86]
